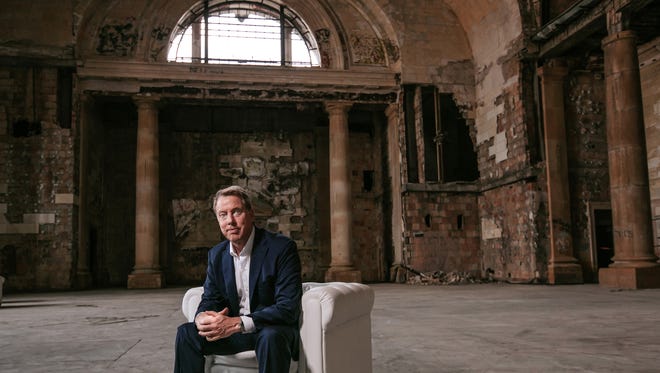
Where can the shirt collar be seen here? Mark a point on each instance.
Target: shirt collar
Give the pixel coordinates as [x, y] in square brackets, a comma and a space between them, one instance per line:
[247, 249]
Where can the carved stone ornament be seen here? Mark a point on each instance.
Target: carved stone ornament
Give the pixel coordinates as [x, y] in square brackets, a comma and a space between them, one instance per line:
[118, 39]
[367, 50]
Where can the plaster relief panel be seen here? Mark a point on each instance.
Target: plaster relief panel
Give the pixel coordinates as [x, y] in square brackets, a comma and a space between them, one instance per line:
[367, 50]
[118, 38]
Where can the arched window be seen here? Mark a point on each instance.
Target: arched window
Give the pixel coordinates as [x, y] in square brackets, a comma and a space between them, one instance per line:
[243, 32]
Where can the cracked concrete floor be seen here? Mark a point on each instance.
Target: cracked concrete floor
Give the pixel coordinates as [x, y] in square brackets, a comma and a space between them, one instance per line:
[466, 328]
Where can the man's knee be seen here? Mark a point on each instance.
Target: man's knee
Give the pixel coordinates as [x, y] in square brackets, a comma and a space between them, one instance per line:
[186, 333]
[275, 338]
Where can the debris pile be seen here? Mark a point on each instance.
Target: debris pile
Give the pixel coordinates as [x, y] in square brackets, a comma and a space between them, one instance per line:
[443, 278]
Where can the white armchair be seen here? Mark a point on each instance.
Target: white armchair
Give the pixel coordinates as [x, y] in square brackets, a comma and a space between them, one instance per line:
[335, 331]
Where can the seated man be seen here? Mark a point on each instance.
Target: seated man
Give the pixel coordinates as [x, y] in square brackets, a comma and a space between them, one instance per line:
[251, 297]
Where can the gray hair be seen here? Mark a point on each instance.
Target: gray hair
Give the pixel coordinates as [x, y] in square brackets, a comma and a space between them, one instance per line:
[235, 191]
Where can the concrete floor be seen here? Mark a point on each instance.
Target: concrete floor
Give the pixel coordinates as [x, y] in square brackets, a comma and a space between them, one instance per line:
[467, 328]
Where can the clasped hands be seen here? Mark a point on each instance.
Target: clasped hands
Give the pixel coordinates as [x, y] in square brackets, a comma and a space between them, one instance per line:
[216, 325]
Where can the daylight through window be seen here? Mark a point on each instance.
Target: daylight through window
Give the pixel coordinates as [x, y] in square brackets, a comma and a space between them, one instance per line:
[249, 33]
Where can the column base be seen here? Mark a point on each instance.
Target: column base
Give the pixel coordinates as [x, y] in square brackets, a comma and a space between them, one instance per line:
[83, 280]
[343, 275]
[565, 273]
[630, 277]
[154, 280]
[398, 274]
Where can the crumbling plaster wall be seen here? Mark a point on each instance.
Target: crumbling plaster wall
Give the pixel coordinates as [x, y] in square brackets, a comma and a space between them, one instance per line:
[37, 196]
[512, 215]
[588, 176]
[22, 25]
[473, 50]
[277, 169]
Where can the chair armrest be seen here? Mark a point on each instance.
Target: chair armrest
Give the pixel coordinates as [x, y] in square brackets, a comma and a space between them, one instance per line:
[336, 328]
[190, 302]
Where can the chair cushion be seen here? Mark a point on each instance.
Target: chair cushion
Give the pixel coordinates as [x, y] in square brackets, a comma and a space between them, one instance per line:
[245, 359]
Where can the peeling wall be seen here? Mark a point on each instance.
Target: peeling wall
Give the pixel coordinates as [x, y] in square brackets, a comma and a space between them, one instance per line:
[510, 242]
[588, 175]
[441, 232]
[37, 197]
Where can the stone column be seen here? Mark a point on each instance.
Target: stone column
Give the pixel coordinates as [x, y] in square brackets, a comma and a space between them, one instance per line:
[394, 151]
[563, 268]
[83, 276]
[341, 218]
[146, 273]
[635, 263]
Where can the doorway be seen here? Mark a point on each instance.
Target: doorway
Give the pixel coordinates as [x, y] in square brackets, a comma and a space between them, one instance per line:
[602, 239]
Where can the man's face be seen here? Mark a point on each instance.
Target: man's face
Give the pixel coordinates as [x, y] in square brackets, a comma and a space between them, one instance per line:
[235, 221]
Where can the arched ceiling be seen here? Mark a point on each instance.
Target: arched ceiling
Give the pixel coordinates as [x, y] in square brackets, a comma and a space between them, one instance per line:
[488, 21]
[473, 13]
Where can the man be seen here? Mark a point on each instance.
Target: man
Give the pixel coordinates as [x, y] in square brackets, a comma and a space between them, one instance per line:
[251, 297]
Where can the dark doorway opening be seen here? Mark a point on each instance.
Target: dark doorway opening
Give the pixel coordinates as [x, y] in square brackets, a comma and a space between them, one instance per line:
[604, 237]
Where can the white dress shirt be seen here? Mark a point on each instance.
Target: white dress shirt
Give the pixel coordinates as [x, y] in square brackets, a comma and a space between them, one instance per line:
[242, 275]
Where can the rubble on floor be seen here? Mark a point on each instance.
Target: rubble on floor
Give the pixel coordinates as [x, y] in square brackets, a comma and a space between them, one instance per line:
[444, 278]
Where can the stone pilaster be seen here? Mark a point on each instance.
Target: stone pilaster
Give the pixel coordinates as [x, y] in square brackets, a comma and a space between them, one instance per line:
[635, 265]
[146, 273]
[341, 219]
[394, 153]
[563, 268]
[83, 275]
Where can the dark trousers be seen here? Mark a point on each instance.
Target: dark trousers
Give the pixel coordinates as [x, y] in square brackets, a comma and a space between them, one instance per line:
[274, 345]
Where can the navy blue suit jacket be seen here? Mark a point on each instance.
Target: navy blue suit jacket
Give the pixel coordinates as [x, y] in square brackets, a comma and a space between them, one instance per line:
[275, 281]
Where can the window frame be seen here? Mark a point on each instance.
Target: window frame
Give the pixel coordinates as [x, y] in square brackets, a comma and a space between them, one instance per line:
[289, 22]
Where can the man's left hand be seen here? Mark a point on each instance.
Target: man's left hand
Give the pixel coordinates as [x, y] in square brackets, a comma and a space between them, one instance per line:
[216, 325]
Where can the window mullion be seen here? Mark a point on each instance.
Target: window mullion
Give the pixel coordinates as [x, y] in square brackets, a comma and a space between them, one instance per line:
[206, 31]
[282, 37]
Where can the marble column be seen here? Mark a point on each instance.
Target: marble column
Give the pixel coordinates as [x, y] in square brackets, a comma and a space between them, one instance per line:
[563, 268]
[146, 273]
[635, 264]
[83, 275]
[341, 218]
[397, 274]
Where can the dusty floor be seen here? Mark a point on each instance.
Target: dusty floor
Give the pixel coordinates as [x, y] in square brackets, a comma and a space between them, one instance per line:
[467, 328]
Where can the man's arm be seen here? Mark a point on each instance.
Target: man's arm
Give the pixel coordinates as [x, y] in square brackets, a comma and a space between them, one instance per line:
[287, 291]
[213, 298]
[210, 323]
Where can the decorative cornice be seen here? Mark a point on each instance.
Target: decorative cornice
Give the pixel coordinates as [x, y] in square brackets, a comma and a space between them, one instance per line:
[194, 79]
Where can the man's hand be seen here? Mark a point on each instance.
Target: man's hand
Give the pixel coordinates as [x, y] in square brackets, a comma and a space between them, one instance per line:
[215, 325]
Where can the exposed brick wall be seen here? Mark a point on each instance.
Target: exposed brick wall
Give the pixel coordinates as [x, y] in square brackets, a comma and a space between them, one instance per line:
[36, 184]
[511, 217]
[367, 205]
[502, 142]
[433, 239]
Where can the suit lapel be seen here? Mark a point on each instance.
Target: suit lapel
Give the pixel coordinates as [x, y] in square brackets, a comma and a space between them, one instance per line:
[230, 278]
[259, 251]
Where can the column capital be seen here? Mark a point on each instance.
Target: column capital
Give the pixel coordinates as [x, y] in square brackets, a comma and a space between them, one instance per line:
[391, 110]
[338, 107]
[620, 36]
[617, 20]
[85, 98]
[554, 68]
[146, 99]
